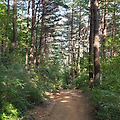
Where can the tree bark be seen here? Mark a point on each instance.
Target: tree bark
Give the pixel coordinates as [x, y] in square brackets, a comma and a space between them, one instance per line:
[2, 51]
[104, 33]
[84, 38]
[14, 26]
[64, 67]
[96, 44]
[72, 43]
[7, 28]
[45, 48]
[114, 30]
[69, 58]
[37, 31]
[26, 58]
[79, 42]
[32, 34]
[42, 31]
[91, 39]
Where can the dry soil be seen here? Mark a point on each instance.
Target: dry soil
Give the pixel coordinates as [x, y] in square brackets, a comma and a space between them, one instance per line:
[64, 105]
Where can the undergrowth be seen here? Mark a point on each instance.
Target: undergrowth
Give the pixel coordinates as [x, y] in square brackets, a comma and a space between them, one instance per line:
[106, 97]
[21, 90]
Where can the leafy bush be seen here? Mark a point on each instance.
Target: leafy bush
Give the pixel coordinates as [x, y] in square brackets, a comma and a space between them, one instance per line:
[106, 97]
[82, 80]
[22, 89]
[106, 104]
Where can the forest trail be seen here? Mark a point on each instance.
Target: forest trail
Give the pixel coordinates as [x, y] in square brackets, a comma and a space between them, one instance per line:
[65, 105]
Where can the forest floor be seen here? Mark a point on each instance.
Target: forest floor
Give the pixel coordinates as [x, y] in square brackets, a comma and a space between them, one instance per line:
[64, 105]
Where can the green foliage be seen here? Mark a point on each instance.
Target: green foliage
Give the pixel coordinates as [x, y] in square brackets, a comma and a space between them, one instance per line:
[82, 80]
[61, 3]
[21, 90]
[111, 79]
[106, 104]
[10, 112]
[106, 98]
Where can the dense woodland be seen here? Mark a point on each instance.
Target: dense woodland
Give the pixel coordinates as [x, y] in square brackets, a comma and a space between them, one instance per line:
[46, 45]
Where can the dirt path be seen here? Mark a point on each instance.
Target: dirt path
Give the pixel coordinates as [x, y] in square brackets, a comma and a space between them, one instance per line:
[66, 105]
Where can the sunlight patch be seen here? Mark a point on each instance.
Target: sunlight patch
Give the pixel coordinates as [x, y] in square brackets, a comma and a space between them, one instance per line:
[67, 97]
[64, 101]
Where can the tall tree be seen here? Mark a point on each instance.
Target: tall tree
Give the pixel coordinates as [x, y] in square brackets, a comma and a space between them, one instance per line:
[26, 58]
[79, 41]
[14, 23]
[37, 17]
[104, 32]
[96, 44]
[91, 39]
[32, 34]
[7, 28]
[113, 29]
[42, 31]
[64, 67]
[72, 41]
[14, 40]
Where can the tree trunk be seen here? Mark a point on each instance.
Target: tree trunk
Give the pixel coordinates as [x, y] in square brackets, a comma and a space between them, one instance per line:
[96, 44]
[64, 67]
[26, 58]
[37, 31]
[72, 43]
[45, 48]
[7, 28]
[114, 30]
[2, 51]
[14, 26]
[79, 42]
[84, 37]
[104, 33]
[32, 33]
[91, 39]
[69, 58]
[42, 31]
[14, 23]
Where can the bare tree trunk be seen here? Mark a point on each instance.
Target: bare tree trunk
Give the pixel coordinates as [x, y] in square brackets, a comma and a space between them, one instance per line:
[32, 33]
[69, 58]
[79, 42]
[76, 58]
[88, 37]
[84, 37]
[14, 26]
[2, 50]
[26, 58]
[45, 48]
[72, 42]
[96, 44]
[42, 31]
[64, 67]
[104, 33]
[91, 39]
[7, 28]
[37, 31]
[14, 22]
[114, 30]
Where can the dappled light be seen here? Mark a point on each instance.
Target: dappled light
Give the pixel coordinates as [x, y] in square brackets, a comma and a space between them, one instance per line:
[59, 59]
[67, 97]
[64, 101]
[69, 105]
